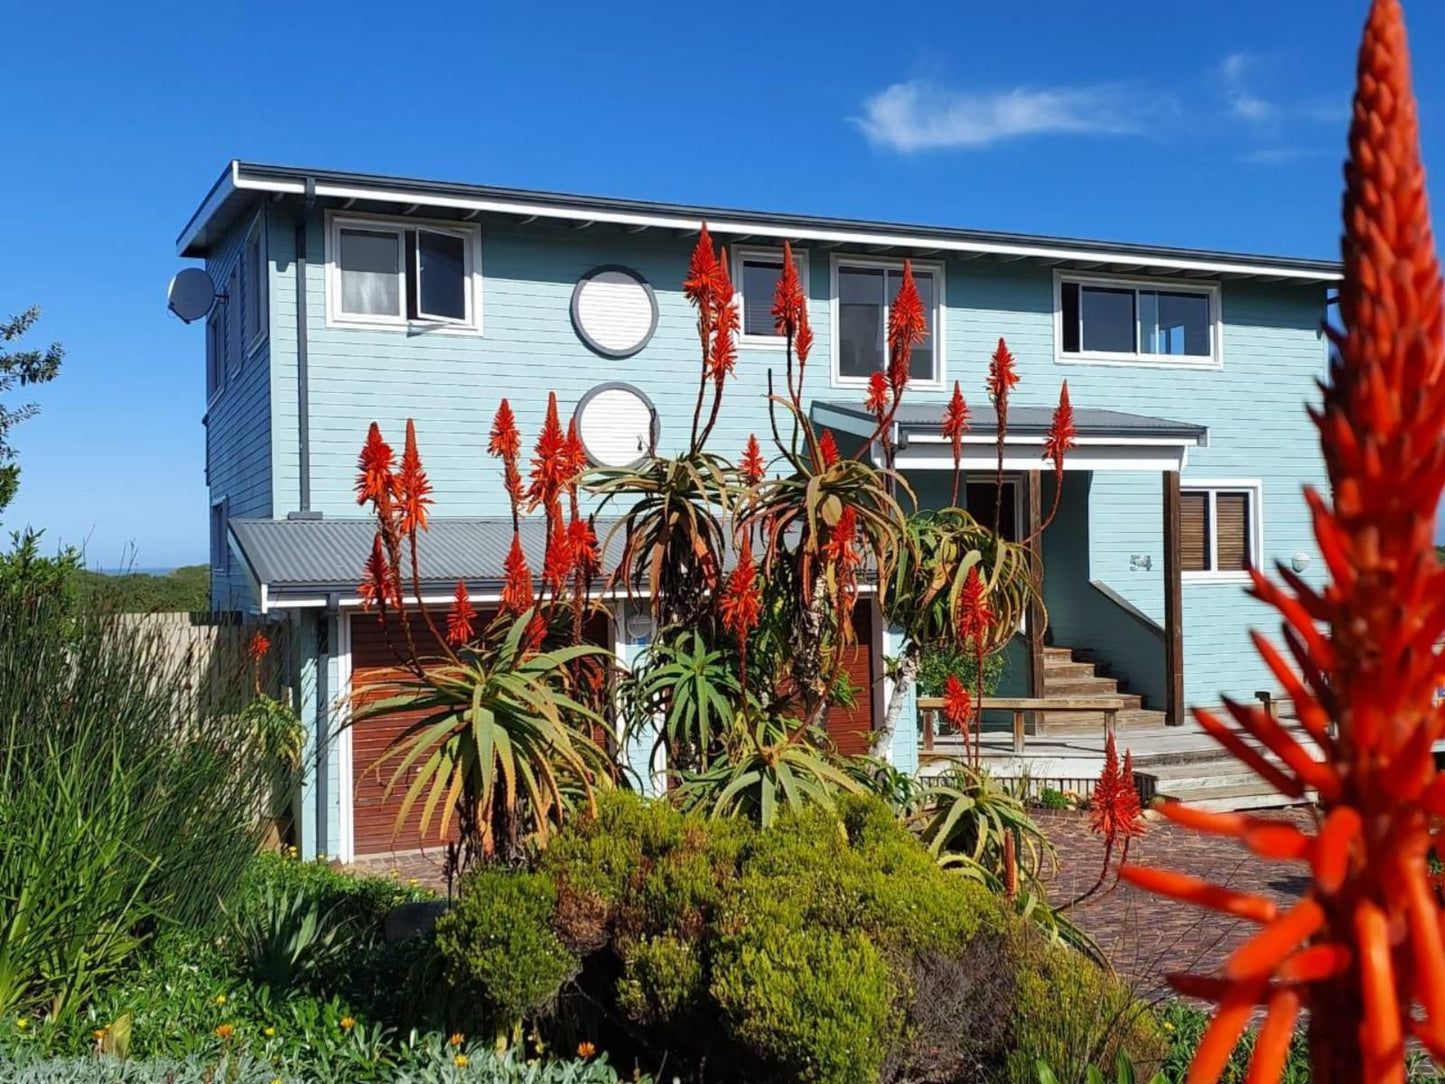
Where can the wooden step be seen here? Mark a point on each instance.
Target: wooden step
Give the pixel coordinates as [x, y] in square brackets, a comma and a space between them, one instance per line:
[1080, 686]
[1067, 668]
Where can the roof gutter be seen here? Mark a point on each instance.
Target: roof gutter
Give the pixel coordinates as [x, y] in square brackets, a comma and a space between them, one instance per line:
[633, 213]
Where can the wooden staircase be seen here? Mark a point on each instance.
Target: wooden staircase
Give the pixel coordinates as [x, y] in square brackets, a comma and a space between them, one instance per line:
[1176, 762]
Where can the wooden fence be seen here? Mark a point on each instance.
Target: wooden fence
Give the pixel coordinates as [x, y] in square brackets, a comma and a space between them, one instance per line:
[212, 649]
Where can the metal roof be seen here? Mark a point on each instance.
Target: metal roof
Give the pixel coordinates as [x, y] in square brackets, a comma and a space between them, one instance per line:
[244, 182]
[318, 556]
[1029, 421]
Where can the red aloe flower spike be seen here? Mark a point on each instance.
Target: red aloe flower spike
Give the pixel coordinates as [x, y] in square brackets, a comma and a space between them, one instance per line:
[550, 461]
[374, 478]
[1061, 435]
[975, 615]
[907, 327]
[413, 486]
[1002, 376]
[724, 355]
[803, 343]
[957, 704]
[741, 604]
[558, 563]
[752, 468]
[842, 552]
[1362, 648]
[517, 595]
[877, 401]
[582, 540]
[827, 448]
[700, 285]
[461, 617]
[257, 646]
[378, 588]
[506, 441]
[955, 424]
[1104, 802]
[788, 301]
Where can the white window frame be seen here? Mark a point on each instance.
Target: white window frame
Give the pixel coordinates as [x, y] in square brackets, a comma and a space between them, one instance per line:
[472, 253]
[741, 255]
[256, 287]
[1254, 488]
[1211, 289]
[940, 309]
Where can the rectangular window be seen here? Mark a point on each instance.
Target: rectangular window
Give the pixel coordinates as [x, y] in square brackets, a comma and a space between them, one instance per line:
[756, 273]
[220, 551]
[865, 291]
[1219, 530]
[215, 353]
[403, 274]
[255, 288]
[1120, 321]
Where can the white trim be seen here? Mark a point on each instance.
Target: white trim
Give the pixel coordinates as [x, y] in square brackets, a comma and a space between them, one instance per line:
[257, 232]
[345, 767]
[743, 253]
[1211, 290]
[1254, 489]
[940, 312]
[1048, 250]
[470, 232]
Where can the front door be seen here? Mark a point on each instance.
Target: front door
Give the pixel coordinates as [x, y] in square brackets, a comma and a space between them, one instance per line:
[980, 498]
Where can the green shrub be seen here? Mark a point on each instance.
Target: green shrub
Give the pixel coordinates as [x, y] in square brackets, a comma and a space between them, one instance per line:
[1051, 798]
[127, 802]
[498, 945]
[939, 663]
[662, 981]
[290, 938]
[1073, 1015]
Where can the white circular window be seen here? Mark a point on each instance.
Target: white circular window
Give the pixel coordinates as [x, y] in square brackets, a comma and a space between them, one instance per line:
[618, 425]
[614, 311]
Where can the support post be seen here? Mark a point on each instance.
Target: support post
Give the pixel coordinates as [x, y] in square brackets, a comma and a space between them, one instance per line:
[1173, 605]
[1035, 622]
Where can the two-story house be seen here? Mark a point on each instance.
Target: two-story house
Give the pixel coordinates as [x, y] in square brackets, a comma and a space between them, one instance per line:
[351, 298]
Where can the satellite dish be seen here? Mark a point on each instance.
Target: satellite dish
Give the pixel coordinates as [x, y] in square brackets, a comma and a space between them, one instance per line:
[191, 294]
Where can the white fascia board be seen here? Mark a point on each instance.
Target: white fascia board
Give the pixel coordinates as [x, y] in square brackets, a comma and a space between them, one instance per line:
[1099, 457]
[660, 220]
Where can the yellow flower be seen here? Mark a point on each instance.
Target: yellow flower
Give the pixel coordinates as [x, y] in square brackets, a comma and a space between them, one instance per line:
[396, 873]
[269, 1032]
[321, 856]
[412, 882]
[220, 999]
[347, 1023]
[277, 1080]
[460, 1061]
[21, 1023]
[586, 1049]
[457, 1038]
[99, 1033]
[224, 1031]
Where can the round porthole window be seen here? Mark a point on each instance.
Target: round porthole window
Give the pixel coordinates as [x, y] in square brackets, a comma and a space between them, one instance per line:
[614, 310]
[618, 425]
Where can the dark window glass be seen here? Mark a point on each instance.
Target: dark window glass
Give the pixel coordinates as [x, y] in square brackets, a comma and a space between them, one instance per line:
[760, 282]
[441, 275]
[1069, 295]
[1108, 318]
[1173, 323]
[980, 500]
[370, 262]
[860, 321]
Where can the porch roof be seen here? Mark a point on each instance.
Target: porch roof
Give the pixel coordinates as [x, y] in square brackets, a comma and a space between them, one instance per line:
[1107, 439]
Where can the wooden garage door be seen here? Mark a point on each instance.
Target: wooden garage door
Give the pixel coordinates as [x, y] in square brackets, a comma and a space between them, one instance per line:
[373, 660]
[851, 728]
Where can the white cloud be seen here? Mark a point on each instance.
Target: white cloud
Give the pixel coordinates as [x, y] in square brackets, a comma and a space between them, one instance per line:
[1243, 103]
[919, 116]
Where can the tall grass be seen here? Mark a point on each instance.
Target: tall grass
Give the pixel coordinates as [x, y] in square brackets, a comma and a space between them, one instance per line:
[127, 800]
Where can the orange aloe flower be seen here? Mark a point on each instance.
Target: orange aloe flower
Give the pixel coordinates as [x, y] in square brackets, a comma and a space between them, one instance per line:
[876, 402]
[517, 595]
[379, 587]
[907, 327]
[257, 646]
[741, 604]
[374, 478]
[722, 357]
[975, 615]
[1363, 949]
[550, 461]
[413, 486]
[506, 445]
[788, 299]
[557, 565]
[1114, 805]
[700, 285]
[582, 540]
[827, 448]
[461, 617]
[803, 342]
[1061, 436]
[955, 424]
[752, 468]
[957, 704]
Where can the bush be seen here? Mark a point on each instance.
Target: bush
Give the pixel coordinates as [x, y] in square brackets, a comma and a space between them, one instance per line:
[1073, 1015]
[498, 945]
[941, 662]
[126, 802]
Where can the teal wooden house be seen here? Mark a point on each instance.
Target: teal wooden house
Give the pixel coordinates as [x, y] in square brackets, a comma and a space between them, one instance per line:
[351, 298]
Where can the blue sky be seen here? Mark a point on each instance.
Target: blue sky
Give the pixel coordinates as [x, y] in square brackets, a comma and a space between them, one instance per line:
[1218, 125]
